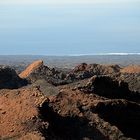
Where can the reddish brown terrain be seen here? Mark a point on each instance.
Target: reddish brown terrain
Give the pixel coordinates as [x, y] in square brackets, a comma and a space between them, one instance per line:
[131, 69]
[19, 109]
[90, 102]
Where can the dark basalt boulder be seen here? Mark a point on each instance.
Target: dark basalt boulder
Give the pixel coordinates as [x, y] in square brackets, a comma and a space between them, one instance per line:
[9, 79]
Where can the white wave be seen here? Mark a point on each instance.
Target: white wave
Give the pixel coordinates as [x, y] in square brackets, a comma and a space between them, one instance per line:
[104, 54]
[120, 54]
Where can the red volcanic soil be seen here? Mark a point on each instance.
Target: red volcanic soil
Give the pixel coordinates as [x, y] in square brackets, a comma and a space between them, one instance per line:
[19, 111]
[131, 69]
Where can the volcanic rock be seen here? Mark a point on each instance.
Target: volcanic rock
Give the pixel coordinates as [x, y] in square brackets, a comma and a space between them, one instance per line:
[59, 77]
[123, 114]
[75, 115]
[9, 79]
[31, 68]
[90, 102]
[107, 87]
[133, 80]
[84, 70]
[50, 75]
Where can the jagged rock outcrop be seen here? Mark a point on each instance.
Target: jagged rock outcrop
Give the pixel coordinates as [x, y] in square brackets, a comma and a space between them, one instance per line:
[31, 68]
[51, 75]
[37, 71]
[133, 80]
[131, 75]
[97, 68]
[9, 79]
[107, 87]
[84, 70]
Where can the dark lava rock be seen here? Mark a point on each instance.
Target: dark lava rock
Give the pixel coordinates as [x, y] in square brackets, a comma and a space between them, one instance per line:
[73, 115]
[133, 80]
[110, 88]
[84, 70]
[106, 86]
[123, 114]
[51, 75]
[57, 76]
[9, 79]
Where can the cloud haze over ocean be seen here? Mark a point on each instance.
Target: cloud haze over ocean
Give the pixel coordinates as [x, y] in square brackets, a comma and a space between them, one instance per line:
[65, 27]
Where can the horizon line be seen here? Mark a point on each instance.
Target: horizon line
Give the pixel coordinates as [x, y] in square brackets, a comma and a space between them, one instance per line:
[92, 54]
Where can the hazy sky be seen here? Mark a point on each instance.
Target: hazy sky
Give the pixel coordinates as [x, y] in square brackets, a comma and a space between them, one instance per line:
[64, 27]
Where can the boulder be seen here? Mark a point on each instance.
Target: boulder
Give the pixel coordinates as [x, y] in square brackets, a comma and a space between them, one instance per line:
[9, 79]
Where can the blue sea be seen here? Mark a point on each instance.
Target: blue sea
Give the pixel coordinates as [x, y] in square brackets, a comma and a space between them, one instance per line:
[68, 29]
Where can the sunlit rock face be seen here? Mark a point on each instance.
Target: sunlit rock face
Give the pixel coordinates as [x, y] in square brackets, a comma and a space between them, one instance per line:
[31, 68]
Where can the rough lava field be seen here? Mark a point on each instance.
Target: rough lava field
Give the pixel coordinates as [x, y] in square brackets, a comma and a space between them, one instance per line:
[88, 102]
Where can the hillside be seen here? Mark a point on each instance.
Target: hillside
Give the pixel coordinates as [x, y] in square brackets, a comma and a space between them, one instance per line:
[87, 102]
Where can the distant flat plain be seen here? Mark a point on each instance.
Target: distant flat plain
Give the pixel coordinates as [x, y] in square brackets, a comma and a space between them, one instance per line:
[70, 61]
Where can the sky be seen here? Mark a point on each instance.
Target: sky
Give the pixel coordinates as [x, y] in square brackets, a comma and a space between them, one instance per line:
[69, 27]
